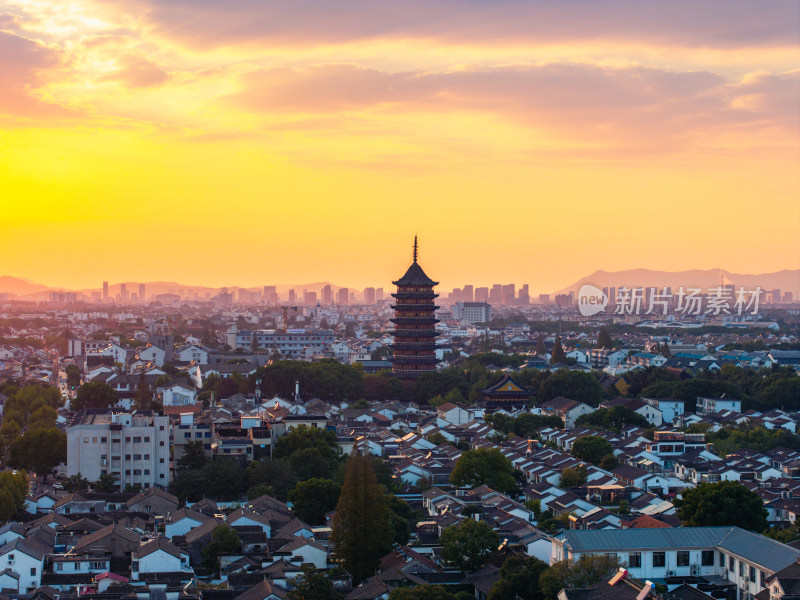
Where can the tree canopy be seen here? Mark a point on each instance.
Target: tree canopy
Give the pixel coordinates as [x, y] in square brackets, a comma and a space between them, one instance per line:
[13, 490]
[575, 385]
[583, 573]
[722, 503]
[94, 394]
[312, 498]
[468, 544]
[39, 450]
[591, 448]
[519, 578]
[484, 466]
[361, 528]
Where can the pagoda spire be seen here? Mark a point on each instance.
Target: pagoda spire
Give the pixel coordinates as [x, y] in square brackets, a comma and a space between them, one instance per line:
[415, 248]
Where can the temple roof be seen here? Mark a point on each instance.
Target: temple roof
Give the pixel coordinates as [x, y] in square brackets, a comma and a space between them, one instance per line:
[415, 276]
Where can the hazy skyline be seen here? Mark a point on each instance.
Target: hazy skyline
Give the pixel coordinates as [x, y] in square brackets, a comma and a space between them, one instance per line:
[244, 143]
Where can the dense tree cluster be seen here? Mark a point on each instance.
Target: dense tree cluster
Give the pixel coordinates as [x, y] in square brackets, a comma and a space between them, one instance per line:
[613, 419]
[591, 448]
[722, 503]
[485, 466]
[468, 544]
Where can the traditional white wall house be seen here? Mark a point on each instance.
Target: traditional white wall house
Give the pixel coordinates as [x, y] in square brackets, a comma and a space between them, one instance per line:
[741, 557]
[308, 550]
[153, 354]
[194, 352]
[183, 521]
[669, 407]
[178, 394]
[244, 517]
[25, 560]
[159, 556]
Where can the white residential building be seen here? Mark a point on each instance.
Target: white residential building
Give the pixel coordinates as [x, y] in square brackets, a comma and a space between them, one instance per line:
[131, 446]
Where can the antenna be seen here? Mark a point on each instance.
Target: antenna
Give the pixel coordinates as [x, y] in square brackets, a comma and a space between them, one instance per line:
[415, 248]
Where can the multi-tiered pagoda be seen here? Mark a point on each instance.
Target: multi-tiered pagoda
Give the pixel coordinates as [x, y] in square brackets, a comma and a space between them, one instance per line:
[415, 323]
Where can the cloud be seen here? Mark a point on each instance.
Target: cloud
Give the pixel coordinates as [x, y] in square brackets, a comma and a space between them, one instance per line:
[632, 106]
[21, 63]
[713, 23]
[137, 72]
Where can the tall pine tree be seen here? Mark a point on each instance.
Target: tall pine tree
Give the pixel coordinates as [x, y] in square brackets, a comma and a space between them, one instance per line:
[361, 528]
[604, 339]
[558, 355]
[541, 348]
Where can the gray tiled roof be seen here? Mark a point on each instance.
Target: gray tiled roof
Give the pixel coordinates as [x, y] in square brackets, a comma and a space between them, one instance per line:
[752, 547]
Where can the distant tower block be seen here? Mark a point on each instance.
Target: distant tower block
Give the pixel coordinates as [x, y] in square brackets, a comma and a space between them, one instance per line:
[414, 349]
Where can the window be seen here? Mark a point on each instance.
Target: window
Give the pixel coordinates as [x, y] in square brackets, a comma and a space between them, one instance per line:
[59, 566]
[161, 460]
[147, 457]
[86, 440]
[161, 476]
[33, 570]
[128, 440]
[103, 440]
[683, 558]
[721, 559]
[742, 569]
[147, 471]
[137, 440]
[161, 428]
[659, 559]
[635, 559]
[707, 558]
[137, 471]
[127, 471]
[127, 457]
[134, 565]
[161, 443]
[94, 440]
[752, 573]
[137, 457]
[730, 564]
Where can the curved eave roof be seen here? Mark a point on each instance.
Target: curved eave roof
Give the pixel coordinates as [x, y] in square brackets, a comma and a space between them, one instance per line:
[415, 276]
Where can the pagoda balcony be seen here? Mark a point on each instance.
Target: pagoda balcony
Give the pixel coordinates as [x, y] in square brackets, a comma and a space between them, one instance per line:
[414, 320]
[415, 359]
[414, 333]
[414, 345]
[410, 295]
[412, 372]
[401, 307]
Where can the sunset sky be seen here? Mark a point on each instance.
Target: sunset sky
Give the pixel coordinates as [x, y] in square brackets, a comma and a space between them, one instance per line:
[286, 141]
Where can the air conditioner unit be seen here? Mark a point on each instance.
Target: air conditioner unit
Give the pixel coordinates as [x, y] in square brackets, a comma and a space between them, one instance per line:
[695, 571]
[11, 562]
[670, 573]
[724, 573]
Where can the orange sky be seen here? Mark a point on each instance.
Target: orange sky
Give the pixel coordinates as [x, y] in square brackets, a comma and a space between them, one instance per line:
[247, 143]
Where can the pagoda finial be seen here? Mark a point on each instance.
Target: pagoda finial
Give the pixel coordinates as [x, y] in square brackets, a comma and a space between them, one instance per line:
[415, 248]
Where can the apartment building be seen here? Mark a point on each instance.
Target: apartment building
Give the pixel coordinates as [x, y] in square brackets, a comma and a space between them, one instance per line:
[133, 447]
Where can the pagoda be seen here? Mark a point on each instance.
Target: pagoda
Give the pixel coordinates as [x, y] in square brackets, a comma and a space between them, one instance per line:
[414, 348]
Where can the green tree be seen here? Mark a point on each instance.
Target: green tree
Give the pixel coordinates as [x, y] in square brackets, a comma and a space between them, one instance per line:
[484, 466]
[361, 528]
[455, 396]
[43, 418]
[361, 403]
[583, 573]
[604, 339]
[591, 448]
[723, 503]
[519, 578]
[313, 498]
[224, 540]
[572, 477]
[427, 592]
[144, 398]
[541, 348]
[76, 483]
[528, 424]
[13, 490]
[664, 350]
[558, 355]
[313, 585]
[106, 483]
[73, 376]
[39, 450]
[303, 438]
[468, 544]
[220, 479]
[94, 394]
[277, 475]
[194, 456]
[576, 385]
[613, 419]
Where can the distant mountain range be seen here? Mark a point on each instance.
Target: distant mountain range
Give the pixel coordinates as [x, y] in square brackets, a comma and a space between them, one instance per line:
[787, 280]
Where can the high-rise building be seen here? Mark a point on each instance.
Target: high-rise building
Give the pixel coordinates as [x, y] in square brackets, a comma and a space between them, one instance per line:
[105, 291]
[524, 295]
[496, 294]
[509, 294]
[270, 295]
[482, 294]
[379, 295]
[544, 298]
[327, 296]
[343, 296]
[292, 297]
[123, 293]
[141, 293]
[467, 293]
[414, 348]
[369, 295]
[309, 298]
